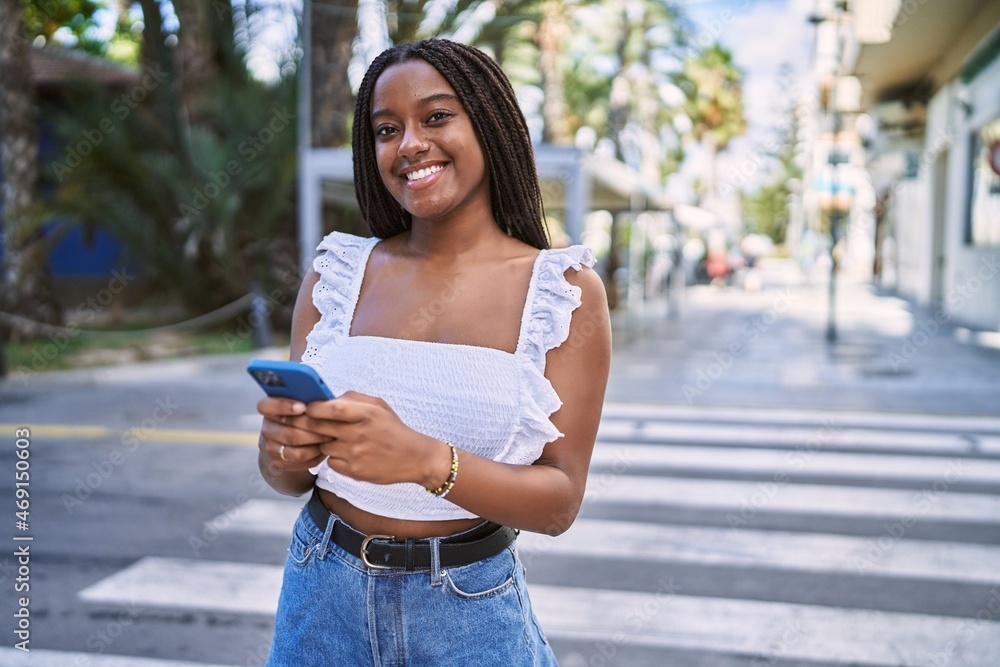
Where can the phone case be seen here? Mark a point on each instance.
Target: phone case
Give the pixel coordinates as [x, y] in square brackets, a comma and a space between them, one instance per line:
[289, 379]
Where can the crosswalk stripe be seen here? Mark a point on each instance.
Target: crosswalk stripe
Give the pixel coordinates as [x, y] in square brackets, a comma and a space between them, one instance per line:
[887, 555]
[915, 422]
[745, 500]
[928, 469]
[660, 619]
[769, 631]
[195, 584]
[832, 435]
[804, 438]
[848, 455]
[741, 500]
[259, 516]
[10, 657]
[884, 556]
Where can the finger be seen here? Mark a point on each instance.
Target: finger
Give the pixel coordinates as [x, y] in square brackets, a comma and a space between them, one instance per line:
[284, 421]
[273, 407]
[296, 456]
[323, 429]
[341, 409]
[334, 449]
[306, 460]
[291, 435]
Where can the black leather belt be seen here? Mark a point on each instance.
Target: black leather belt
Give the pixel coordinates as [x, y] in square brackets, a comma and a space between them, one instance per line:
[385, 551]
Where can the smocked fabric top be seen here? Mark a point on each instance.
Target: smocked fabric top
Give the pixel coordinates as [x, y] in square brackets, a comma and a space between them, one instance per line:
[489, 402]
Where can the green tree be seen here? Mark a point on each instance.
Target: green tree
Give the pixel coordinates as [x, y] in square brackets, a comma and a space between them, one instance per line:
[712, 86]
[73, 19]
[549, 36]
[26, 288]
[333, 27]
[73, 23]
[623, 59]
[765, 210]
[196, 179]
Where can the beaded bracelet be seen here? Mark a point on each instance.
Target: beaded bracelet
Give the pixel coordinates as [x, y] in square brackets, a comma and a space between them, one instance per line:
[443, 490]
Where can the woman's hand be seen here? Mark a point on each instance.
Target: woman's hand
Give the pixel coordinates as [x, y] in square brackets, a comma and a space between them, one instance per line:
[367, 441]
[283, 444]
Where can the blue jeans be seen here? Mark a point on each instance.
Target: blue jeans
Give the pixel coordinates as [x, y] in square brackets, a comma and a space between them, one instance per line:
[334, 610]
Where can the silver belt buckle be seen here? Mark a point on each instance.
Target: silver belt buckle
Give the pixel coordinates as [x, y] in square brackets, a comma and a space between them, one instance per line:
[364, 551]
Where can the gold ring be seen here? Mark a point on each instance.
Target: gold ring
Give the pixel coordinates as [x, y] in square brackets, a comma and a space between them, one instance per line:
[281, 454]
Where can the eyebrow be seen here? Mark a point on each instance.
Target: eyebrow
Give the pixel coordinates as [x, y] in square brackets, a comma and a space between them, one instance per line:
[430, 99]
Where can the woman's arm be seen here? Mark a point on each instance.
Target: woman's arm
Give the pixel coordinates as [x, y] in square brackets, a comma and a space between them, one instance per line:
[291, 475]
[545, 497]
[372, 444]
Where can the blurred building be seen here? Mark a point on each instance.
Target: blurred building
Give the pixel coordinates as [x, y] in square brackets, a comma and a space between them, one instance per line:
[83, 254]
[927, 80]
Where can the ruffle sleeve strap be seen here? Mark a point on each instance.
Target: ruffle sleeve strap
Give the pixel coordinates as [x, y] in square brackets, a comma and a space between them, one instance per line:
[341, 266]
[551, 302]
[535, 428]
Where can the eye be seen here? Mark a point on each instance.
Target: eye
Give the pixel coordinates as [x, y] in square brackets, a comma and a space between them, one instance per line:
[384, 130]
[439, 116]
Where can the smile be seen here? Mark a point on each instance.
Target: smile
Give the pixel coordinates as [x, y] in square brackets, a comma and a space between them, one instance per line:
[423, 173]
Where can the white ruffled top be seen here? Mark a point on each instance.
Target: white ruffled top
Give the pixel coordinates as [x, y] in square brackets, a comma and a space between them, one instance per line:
[489, 402]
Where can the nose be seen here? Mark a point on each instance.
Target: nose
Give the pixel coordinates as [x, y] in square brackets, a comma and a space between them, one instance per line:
[413, 143]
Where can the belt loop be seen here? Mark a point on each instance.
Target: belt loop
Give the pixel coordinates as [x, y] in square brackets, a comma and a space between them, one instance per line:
[324, 543]
[436, 573]
[408, 549]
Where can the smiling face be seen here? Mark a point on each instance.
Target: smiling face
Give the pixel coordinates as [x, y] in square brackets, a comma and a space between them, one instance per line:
[428, 155]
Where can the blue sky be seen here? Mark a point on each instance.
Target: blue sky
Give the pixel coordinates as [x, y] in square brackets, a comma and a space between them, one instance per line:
[762, 34]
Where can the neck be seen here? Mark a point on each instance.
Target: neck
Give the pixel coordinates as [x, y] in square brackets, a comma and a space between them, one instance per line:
[449, 240]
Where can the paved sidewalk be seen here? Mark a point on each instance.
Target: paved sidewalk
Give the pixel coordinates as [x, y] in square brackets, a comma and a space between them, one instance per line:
[726, 346]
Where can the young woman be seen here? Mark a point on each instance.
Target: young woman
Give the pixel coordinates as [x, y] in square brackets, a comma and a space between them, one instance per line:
[470, 363]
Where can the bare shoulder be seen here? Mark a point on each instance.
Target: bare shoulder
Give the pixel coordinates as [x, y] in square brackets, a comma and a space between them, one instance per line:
[590, 284]
[305, 315]
[590, 326]
[593, 296]
[306, 287]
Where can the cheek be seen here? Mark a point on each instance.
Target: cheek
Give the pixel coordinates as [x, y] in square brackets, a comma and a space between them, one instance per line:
[473, 159]
[384, 162]
[481, 167]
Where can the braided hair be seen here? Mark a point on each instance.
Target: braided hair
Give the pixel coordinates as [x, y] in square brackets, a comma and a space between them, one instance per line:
[500, 127]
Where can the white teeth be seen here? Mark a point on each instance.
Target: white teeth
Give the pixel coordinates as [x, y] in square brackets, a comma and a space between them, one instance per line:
[423, 173]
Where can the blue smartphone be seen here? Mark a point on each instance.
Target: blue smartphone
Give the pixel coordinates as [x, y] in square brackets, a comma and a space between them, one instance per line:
[289, 379]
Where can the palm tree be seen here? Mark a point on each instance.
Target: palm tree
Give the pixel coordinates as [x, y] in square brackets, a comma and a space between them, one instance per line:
[552, 29]
[712, 86]
[333, 27]
[44, 18]
[26, 288]
[640, 39]
[199, 189]
[194, 52]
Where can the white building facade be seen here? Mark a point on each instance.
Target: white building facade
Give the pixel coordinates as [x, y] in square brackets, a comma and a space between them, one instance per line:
[930, 75]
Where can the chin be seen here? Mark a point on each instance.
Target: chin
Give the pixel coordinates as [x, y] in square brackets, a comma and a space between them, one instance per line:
[427, 212]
